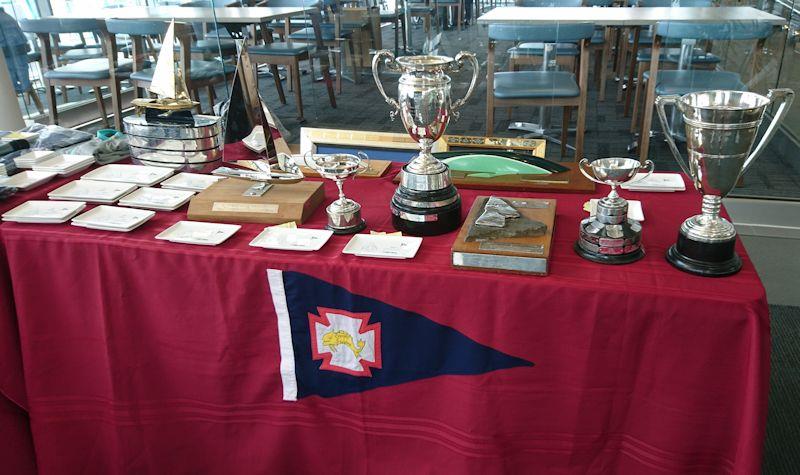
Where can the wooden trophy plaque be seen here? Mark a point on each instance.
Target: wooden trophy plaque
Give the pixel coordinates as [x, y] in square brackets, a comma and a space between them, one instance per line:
[229, 201]
[522, 255]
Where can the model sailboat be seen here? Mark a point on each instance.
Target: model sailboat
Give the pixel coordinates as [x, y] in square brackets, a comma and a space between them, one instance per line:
[173, 102]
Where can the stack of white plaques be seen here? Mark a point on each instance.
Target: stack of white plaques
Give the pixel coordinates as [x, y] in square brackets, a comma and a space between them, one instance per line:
[111, 218]
[292, 239]
[65, 165]
[44, 212]
[159, 199]
[198, 232]
[190, 181]
[3, 171]
[27, 180]
[32, 158]
[138, 174]
[92, 191]
[186, 147]
[383, 246]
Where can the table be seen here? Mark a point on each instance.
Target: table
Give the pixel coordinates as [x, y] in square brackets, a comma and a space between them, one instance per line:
[226, 15]
[632, 18]
[137, 355]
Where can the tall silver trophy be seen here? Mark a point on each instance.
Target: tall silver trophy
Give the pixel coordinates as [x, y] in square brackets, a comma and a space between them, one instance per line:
[426, 202]
[721, 128]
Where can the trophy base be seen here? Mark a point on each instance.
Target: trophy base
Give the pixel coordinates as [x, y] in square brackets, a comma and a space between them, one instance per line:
[613, 259]
[717, 259]
[345, 217]
[350, 230]
[426, 213]
[610, 238]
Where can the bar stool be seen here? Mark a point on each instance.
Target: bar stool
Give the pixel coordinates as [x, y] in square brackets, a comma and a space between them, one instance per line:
[540, 88]
[95, 73]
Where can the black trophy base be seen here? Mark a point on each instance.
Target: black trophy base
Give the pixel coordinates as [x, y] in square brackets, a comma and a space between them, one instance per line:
[614, 259]
[410, 218]
[706, 259]
[351, 230]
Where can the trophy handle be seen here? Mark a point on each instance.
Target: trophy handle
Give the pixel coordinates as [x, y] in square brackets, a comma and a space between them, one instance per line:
[581, 166]
[306, 156]
[364, 164]
[662, 101]
[456, 66]
[390, 63]
[651, 168]
[785, 98]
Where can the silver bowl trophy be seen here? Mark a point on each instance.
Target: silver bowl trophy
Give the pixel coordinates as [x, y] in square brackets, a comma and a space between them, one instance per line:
[721, 128]
[609, 237]
[426, 202]
[344, 214]
[164, 132]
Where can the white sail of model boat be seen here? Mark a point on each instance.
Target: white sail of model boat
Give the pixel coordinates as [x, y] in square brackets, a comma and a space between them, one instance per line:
[168, 81]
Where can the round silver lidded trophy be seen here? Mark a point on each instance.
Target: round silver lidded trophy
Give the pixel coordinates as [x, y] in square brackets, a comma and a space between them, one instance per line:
[426, 203]
[344, 214]
[609, 237]
[721, 128]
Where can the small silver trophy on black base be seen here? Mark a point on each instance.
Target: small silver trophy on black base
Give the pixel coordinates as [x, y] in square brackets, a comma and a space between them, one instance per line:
[344, 214]
[609, 237]
[721, 128]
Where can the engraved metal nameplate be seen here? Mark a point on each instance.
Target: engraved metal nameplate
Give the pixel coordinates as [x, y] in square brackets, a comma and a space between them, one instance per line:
[529, 204]
[244, 207]
[536, 249]
[257, 190]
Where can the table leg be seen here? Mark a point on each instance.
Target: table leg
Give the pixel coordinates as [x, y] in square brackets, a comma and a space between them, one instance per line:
[631, 72]
[622, 56]
[604, 63]
[647, 119]
[684, 62]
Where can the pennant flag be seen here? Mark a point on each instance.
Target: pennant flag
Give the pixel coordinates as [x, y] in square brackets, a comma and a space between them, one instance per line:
[335, 342]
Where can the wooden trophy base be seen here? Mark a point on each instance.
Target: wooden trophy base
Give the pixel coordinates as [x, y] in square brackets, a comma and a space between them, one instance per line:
[521, 255]
[225, 201]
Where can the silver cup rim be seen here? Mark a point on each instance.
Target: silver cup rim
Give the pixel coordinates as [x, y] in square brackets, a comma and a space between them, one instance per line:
[761, 99]
[424, 62]
[632, 163]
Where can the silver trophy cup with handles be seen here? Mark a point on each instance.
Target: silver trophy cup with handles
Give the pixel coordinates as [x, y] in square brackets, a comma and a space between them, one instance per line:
[721, 128]
[344, 214]
[426, 202]
[609, 237]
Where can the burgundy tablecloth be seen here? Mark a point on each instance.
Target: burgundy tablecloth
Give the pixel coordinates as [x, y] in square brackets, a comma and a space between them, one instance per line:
[141, 356]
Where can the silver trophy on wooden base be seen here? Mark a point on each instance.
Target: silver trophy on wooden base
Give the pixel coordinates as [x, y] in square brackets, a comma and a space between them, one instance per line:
[721, 128]
[344, 214]
[609, 237]
[426, 202]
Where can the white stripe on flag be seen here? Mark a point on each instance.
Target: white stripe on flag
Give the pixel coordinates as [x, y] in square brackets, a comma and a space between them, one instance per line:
[288, 375]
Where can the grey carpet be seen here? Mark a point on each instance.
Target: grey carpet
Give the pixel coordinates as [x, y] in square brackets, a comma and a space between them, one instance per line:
[782, 445]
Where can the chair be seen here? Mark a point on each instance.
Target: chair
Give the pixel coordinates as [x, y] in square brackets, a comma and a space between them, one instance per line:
[456, 7]
[290, 53]
[338, 36]
[212, 42]
[540, 88]
[197, 73]
[685, 81]
[95, 73]
[529, 53]
[639, 37]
